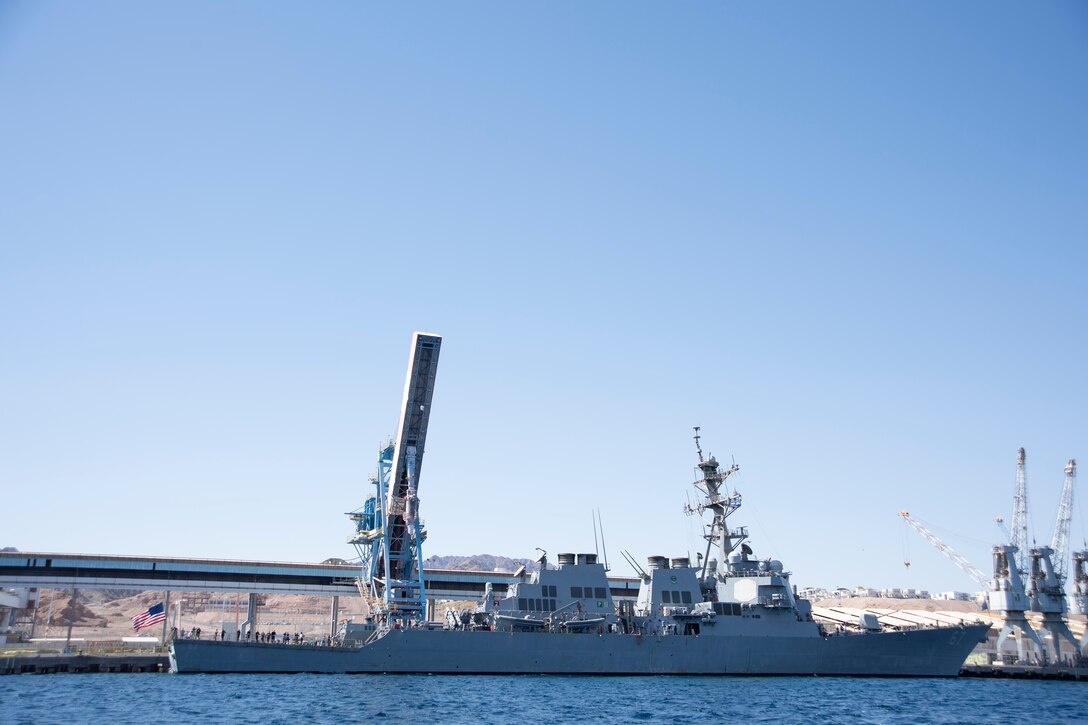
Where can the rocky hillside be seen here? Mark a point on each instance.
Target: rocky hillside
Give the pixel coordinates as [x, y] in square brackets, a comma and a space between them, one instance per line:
[479, 562]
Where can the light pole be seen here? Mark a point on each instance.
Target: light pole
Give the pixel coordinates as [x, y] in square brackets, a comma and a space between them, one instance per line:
[177, 615]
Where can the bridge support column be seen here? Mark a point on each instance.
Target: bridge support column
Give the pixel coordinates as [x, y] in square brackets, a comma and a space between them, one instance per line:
[250, 625]
[37, 593]
[333, 629]
[430, 610]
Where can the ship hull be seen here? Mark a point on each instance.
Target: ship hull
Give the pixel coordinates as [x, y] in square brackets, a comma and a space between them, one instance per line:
[938, 652]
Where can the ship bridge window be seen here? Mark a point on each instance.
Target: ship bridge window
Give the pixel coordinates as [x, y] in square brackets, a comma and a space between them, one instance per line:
[686, 596]
[727, 608]
[599, 593]
[576, 592]
[522, 605]
[666, 597]
[550, 591]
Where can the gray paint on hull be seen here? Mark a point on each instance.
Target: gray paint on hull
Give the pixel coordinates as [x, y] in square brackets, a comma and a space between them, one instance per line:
[920, 653]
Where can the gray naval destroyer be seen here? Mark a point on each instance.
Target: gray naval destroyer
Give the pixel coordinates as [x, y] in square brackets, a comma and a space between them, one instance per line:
[733, 614]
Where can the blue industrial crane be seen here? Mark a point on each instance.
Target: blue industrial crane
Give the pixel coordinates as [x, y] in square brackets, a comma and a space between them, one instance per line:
[389, 534]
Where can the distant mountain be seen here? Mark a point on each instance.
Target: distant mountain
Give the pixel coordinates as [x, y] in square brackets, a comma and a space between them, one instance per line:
[9, 548]
[479, 562]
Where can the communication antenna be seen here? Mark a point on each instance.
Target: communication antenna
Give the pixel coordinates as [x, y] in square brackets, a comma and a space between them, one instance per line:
[596, 546]
[604, 549]
[698, 447]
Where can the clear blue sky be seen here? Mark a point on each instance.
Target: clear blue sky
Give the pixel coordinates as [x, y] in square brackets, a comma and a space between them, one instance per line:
[847, 239]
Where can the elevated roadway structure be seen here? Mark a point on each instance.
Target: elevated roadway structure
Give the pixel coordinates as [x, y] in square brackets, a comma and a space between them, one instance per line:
[21, 570]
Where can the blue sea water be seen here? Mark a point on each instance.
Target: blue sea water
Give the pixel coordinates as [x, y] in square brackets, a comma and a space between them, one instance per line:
[434, 699]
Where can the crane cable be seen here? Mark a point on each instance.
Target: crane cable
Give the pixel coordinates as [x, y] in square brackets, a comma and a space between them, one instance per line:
[950, 534]
[906, 543]
[1080, 516]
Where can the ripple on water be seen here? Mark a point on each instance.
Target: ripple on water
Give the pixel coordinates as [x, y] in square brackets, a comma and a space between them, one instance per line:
[270, 699]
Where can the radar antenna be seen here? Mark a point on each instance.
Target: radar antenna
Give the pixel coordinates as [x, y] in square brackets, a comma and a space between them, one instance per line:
[698, 447]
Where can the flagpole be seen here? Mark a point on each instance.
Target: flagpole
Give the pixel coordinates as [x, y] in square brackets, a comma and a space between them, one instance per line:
[166, 619]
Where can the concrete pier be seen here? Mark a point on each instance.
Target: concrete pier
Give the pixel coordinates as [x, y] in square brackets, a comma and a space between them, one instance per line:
[1026, 672]
[76, 663]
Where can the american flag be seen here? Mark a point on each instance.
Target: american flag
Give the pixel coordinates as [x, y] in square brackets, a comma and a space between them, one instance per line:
[153, 615]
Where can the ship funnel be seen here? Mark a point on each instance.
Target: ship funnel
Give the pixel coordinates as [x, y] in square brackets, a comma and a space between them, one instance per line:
[587, 558]
[566, 559]
[657, 562]
[682, 562]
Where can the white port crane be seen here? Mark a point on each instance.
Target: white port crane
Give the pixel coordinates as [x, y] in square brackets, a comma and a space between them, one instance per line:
[1060, 542]
[970, 569]
[1080, 587]
[1008, 596]
[1019, 536]
[1047, 595]
[1005, 594]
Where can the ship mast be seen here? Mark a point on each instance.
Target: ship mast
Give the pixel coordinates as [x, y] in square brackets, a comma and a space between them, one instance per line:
[720, 503]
